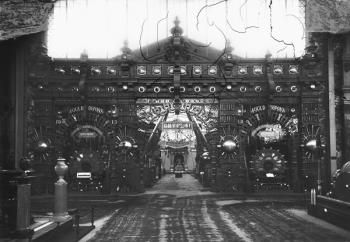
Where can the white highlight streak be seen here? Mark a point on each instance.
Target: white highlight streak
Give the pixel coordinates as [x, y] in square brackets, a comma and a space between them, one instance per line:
[162, 228]
[241, 233]
[210, 223]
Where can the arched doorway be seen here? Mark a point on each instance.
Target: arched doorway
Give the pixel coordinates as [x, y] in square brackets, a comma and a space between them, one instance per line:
[83, 134]
[270, 143]
[179, 160]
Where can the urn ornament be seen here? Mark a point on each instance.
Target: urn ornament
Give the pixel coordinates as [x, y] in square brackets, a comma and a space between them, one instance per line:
[61, 167]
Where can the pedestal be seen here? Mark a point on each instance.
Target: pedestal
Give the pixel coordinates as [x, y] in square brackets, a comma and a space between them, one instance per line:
[61, 212]
[23, 206]
[23, 232]
[8, 198]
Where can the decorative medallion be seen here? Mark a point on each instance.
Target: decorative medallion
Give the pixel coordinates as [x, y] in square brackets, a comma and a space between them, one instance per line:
[268, 163]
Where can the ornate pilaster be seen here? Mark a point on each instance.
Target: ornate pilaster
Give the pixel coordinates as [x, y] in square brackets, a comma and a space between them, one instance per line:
[346, 91]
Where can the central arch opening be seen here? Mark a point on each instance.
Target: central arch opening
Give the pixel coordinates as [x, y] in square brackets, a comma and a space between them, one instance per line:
[179, 131]
[178, 144]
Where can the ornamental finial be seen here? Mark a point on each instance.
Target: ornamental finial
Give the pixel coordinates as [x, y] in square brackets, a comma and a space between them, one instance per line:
[125, 49]
[176, 30]
[229, 47]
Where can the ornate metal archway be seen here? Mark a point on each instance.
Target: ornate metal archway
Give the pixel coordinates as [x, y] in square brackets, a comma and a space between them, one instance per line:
[228, 97]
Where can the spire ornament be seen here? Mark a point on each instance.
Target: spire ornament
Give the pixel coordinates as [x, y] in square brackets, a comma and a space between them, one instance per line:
[176, 31]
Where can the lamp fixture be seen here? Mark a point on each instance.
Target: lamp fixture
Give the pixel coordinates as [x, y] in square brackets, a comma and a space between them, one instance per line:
[197, 70]
[229, 145]
[258, 89]
[170, 70]
[141, 70]
[293, 88]
[43, 144]
[142, 89]
[156, 89]
[95, 71]
[113, 110]
[157, 70]
[75, 70]
[110, 89]
[257, 70]
[242, 70]
[293, 69]
[242, 89]
[125, 144]
[277, 69]
[111, 70]
[60, 70]
[197, 88]
[311, 144]
[205, 155]
[212, 70]
[95, 89]
[183, 70]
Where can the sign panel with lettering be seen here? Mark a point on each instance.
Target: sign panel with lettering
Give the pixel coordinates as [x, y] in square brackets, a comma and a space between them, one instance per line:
[269, 132]
[89, 108]
[84, 175]
[177, 125]
[168, 101]
[271, 122]
[86, 132]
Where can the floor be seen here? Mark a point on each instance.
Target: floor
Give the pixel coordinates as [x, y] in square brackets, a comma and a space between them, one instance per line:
[180, 209]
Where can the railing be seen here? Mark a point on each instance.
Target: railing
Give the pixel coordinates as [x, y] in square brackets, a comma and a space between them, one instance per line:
[334, 206]
[75, 213]
[332, 210]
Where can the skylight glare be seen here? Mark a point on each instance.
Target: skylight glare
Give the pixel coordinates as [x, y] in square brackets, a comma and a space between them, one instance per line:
[101, 26]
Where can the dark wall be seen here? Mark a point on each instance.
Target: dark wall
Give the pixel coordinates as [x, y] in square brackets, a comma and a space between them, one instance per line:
[7, 102]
